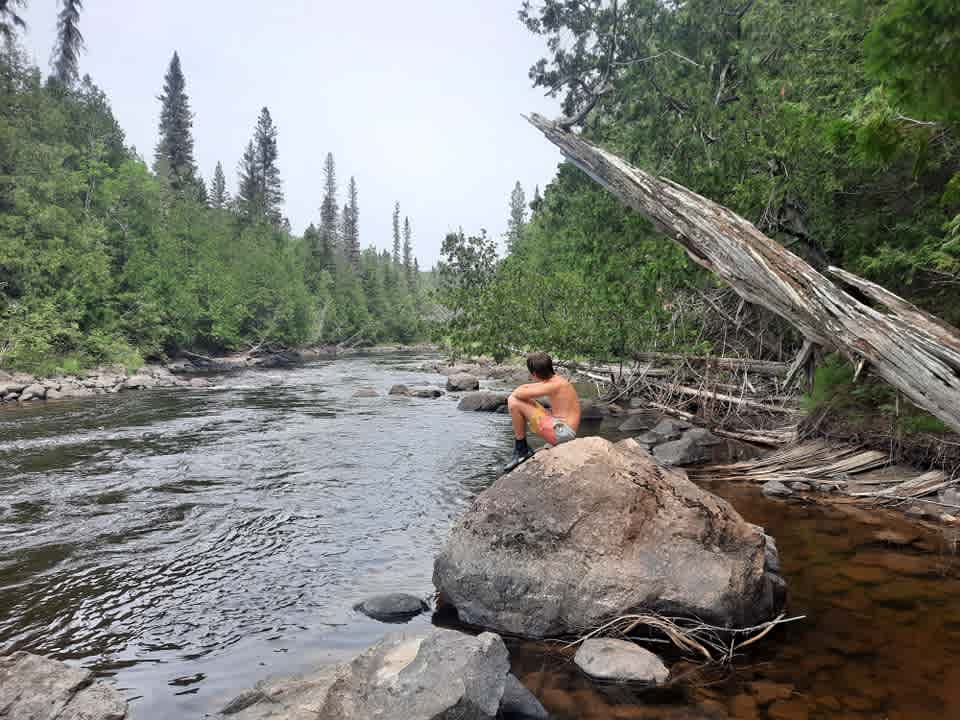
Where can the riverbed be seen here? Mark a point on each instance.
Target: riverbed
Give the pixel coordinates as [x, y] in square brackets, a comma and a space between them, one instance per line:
[185, 543]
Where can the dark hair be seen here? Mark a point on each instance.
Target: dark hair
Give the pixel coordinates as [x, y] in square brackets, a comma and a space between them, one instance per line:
[540, 364]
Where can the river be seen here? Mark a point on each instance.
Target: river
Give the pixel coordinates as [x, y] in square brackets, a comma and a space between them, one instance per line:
[185, 543]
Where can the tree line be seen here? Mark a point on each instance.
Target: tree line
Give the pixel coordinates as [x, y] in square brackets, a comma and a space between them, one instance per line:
[104, 260]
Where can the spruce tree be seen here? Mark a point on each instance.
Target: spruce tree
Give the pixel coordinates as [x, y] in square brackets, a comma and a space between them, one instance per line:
[328, 207]
[248, 187]
[396, 234]
[351, 225]
[537, 201]
[66, 53]
[518, 216]
[174, 154]
[408, 252]
[9, 19]
[271, 187]
[219, 197]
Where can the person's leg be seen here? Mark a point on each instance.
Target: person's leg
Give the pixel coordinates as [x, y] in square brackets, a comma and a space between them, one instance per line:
[522, 412]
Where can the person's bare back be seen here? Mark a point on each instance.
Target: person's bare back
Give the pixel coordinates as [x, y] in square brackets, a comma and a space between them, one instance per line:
[564, 403]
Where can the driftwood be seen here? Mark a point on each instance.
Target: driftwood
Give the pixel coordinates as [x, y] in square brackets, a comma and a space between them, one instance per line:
[914, 352]
[759, 367]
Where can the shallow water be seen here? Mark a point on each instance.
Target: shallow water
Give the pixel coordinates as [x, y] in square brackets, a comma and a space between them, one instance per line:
[187, 543]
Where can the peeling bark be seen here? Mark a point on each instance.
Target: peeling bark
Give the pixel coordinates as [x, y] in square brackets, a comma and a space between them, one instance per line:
[910, 349]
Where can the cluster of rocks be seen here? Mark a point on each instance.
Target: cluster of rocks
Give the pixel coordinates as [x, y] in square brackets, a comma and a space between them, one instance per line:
[416, 391]
[672, 442]
[507, 373]
[440, 674]
[37, 688]
[20, 387]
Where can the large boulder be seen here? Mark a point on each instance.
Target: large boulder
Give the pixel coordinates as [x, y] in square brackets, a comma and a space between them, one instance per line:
[33, 392]
[589, 531]
[684, 451]
[483, 401]
[462, 381]
[37, 688]
[443, 675]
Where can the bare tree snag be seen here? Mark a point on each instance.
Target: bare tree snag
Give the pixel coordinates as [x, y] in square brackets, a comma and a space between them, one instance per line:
[913, 351]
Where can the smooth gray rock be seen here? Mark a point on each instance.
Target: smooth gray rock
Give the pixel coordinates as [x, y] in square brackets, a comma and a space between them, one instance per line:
[398, 389]
[140, 382]
[681, 452]
[588, 531]
[648, 438]
[519, 703]
[775, 488]
[612, 659]
[365, 393]
[427, 392]
[37, 688]
[799, 486]
[483, 401]
[53, 395]
[462, 382]
[33, 392]
[669, 429]
[71, 390]
[392, 607]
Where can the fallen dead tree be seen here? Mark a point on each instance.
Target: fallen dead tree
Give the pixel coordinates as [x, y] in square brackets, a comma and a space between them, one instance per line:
[910, 349]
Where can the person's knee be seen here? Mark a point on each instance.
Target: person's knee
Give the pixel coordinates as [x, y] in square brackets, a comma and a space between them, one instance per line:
[512, 402]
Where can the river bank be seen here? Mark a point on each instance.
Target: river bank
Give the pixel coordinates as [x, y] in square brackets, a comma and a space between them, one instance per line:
[183, 545]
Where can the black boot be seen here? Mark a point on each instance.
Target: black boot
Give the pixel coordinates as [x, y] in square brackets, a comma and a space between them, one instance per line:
[521, 453]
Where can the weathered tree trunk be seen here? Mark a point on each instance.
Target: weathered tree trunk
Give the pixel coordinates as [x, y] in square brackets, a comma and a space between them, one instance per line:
[913, 351]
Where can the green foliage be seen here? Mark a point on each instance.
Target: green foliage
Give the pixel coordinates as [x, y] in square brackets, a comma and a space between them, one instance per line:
[102, 261]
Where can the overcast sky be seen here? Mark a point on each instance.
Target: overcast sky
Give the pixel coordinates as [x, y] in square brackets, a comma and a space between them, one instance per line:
[420, 100]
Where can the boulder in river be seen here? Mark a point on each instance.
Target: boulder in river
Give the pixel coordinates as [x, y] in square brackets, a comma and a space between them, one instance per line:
[392, 607]
[612, 659]
[684, 451]
[33, 392]
[442, 675]
[483, 401]
[519, 703]
[462, 381]
[37, 688]
[775, 488]
[365, 392]
[638, 421]
[590, 530]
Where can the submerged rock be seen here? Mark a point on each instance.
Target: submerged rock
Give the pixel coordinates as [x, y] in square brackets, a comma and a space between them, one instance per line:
[37, 688]
[519, 703]
[462, 381]
[612, 659]
[483, 401]
[366, 392]
[590, 530]
[393, 607]
[775, 488]
[685, 451]
[442, 675]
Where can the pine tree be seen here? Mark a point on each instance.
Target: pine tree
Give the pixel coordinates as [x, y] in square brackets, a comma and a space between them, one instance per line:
[537, 201]
[408, 251]
[260, 192]
[518, 216]
[174, 153]
[271, 187]
[328, 207]
[219, 197]
[351, 226]
[396, 234]
[9, 20]
[69, 43]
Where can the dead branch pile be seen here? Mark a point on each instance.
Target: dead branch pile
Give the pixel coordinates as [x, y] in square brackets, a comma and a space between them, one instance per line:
[691, 636]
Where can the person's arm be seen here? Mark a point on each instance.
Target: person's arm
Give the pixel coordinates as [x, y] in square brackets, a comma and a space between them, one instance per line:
[532, 390]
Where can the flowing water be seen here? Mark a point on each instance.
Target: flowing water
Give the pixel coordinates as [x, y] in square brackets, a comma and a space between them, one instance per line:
[186, 543]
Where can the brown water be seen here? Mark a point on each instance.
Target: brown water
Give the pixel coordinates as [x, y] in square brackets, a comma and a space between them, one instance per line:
[186, 543]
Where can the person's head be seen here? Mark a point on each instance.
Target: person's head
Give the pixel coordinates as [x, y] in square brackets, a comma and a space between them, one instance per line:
[540, 365]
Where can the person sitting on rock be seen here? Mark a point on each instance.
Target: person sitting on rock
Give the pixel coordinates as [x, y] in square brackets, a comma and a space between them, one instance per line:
[558, 425]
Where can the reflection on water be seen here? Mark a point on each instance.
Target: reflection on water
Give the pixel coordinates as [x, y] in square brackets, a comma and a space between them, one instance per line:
[187, 543]
[190, 542]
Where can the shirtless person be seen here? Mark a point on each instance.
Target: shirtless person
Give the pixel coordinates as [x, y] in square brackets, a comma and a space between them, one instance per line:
[556, 428]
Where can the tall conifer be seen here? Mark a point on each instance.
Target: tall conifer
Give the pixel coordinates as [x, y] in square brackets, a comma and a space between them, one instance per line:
[328, 207]
[174, 154]
[9, 19]
[351, 225]
[396, 234]
[219, 197]
[408, 251]
[260, 191]
[66, 53]
[518, 216]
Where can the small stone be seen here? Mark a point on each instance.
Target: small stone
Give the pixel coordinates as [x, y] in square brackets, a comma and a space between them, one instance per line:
[399, 389]
[799, 486]
[702, 436]
[429, 392]
[393, 607]
[365, 393]
[669, 429]
[637, 422]
[775, 488]
[462, 382]
[519, 703]
[612, 659]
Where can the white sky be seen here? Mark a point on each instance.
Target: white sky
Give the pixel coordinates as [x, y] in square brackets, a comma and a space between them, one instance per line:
[421, 100]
